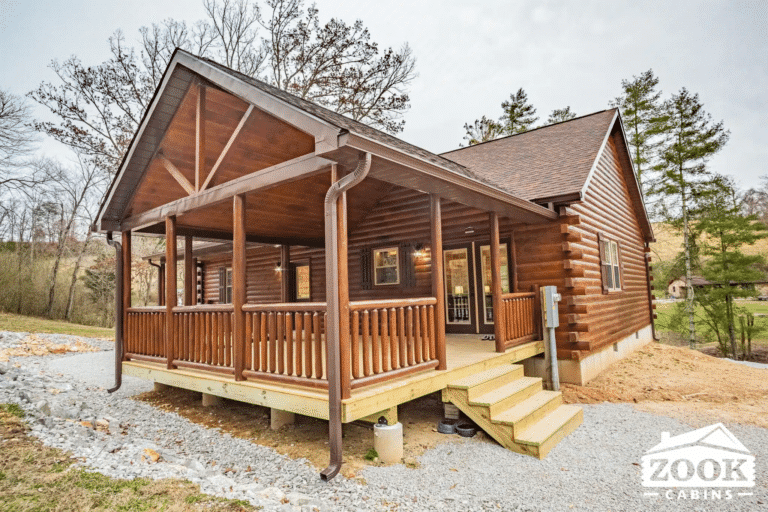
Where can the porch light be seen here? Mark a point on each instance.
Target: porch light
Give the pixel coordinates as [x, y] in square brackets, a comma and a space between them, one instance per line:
[279, 267]
[419, 251]
[469, 230]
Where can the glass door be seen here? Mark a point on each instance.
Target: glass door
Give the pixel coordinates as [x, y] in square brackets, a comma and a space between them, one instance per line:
[458, 292]
[485, 281]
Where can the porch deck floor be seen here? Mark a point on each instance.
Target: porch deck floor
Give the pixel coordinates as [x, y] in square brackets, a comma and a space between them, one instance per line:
[466, 353]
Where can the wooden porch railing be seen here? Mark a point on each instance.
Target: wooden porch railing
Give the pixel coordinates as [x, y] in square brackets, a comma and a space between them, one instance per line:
[203, 337]
[144, 333]
[521, 317]
[390, 338]
[286, 342]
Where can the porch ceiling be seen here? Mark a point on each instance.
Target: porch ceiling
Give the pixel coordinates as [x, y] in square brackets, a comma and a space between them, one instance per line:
[289, 213]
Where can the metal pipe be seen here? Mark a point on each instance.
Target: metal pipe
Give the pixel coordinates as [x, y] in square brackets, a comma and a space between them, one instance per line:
[554, 371]
[118, 313]
[332, 309]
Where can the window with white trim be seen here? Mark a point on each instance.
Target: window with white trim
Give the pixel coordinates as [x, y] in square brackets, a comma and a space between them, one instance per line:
[386, 266]
[609, 260]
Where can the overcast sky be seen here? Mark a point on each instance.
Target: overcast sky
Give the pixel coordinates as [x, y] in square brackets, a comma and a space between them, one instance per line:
[472, 55]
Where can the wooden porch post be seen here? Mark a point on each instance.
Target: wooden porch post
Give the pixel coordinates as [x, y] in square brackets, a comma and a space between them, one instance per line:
[161, 283]
[285, 259]
[189, 273]
[170, 285]
[343, 263]
[436, 236]
[498, 310]
[126, 235]
[238, 284]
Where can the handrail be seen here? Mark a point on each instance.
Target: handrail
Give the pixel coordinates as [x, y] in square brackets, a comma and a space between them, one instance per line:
[146, 309]
[390, 303]
[518, 295]
[285, 307]
[205, 308]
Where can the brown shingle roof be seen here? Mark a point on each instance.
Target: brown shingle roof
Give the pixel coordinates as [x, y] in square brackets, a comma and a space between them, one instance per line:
[547, 162]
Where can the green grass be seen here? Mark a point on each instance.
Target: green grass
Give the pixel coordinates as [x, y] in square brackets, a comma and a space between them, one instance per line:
[20, 323]
[665, 311]
[38, 478]
[12, 409]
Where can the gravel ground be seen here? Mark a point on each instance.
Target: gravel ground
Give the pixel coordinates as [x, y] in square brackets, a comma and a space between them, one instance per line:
[594, 468]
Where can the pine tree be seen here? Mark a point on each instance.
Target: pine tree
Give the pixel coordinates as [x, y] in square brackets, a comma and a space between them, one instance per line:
[727, 230]
[691, 138]
[519, 115]
[561, 114]
[640, 108]
[482, 130]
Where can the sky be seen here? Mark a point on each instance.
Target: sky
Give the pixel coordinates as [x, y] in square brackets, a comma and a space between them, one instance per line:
[472, 55]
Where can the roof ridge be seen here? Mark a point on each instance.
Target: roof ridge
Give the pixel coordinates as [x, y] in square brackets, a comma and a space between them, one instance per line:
[538, 128]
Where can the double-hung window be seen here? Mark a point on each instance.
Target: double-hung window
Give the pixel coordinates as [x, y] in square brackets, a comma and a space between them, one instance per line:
[609, 263]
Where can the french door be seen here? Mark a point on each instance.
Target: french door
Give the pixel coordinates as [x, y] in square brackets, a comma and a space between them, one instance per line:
[467, 280]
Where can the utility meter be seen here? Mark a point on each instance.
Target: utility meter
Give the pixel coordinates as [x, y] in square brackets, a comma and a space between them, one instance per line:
[551, 298]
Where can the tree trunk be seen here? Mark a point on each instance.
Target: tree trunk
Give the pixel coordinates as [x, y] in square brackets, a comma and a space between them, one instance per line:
[731, 329]
[689, 306]
[73, 282]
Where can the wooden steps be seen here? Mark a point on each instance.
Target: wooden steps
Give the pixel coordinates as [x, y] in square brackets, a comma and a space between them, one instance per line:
[515, 410]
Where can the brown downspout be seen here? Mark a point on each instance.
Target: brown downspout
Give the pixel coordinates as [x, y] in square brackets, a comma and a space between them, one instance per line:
[118, 313]
[650, 294]
[332, 309]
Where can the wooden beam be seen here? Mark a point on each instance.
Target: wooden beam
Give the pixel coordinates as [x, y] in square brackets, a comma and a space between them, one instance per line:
[498, 309]
[126, 236]
[227, 147]
[343, 266]
[264, 179]
[176, 173]
[189, 273]
[226, 235]
[170, 285]
[438, 291]
[161, 284]
[238, 284]
[285, 274]
[199, 136]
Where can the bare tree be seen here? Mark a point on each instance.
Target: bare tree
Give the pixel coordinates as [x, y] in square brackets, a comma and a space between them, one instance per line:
[17, 139]
[79, 184]
[333, 64]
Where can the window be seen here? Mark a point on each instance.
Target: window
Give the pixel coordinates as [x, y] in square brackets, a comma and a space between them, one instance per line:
[386, 266]
[302, 282]
[609, 258]
[225, 285]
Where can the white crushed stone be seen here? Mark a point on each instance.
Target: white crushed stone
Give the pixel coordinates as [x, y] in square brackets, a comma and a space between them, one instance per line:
[594, 468]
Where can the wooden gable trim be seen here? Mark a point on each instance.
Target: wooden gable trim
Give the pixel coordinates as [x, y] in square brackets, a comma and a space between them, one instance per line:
[285, 172]
[599, 155]
[226, 149]
[629, 174]
[326, 134]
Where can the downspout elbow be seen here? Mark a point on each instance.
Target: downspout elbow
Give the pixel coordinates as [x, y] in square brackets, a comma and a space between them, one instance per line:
[118, 313]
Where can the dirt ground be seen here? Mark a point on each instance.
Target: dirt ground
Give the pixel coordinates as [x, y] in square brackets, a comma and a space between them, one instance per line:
[686, 384]
[34, 345]
[308, 437]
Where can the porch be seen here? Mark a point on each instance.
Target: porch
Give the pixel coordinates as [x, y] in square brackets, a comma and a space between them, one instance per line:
[389, 344]
[466, 355]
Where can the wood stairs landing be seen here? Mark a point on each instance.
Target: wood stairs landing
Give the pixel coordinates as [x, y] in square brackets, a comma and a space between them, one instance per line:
[515, 410]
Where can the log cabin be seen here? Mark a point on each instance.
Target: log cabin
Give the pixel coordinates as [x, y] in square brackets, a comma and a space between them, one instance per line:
[331, 270]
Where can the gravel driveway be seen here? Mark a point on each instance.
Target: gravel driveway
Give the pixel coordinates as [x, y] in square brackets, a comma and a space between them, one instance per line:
[594, 468]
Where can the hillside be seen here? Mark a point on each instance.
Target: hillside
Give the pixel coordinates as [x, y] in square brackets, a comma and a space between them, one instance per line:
[669, 243]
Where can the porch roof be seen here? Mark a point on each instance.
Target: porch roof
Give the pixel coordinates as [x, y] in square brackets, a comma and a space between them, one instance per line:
[288, 147]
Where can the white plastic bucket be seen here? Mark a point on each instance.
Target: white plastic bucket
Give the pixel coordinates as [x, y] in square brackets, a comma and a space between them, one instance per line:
[388, 442]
